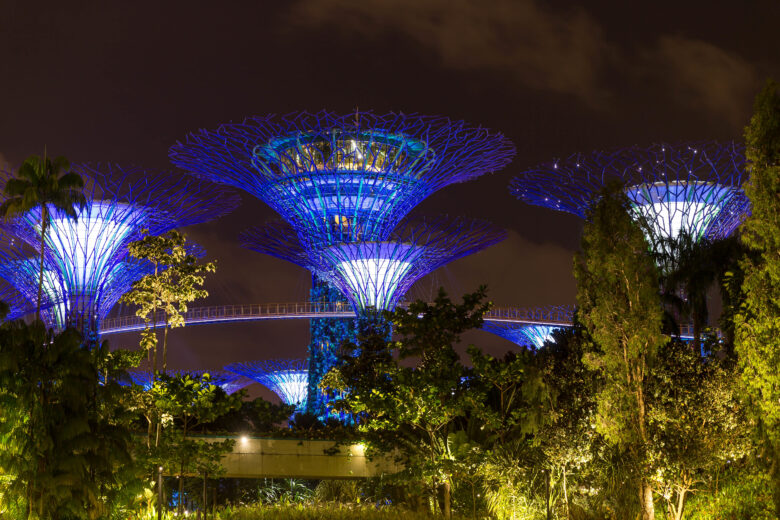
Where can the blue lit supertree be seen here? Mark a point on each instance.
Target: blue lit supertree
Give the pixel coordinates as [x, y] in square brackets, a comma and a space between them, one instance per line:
[691, 187]
[227, 381]
[375, 275]
[340, 179]
[86, 264]
[531, 334]
[287, 378]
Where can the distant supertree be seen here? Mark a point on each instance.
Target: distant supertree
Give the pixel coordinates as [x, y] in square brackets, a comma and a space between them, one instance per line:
[228, 381]
[377, 274]
[531, 334]
[693, 187]
[86, 265]
[287, 378]
[342, 178]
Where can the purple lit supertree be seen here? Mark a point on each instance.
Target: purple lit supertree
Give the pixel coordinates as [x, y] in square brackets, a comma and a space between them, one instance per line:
[691, 187]
[342, 178]
[86, 264]
[287, 378]
[377, 274]
[227, 381]
[530, 334]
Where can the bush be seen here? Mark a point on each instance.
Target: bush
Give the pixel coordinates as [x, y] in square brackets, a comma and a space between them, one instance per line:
[317, 512]
[743, 497]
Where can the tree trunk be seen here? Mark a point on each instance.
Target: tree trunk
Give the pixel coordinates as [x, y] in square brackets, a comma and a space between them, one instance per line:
[165, 347]
[44, 225]
[205, 495]
[446, 508]
[646, 500]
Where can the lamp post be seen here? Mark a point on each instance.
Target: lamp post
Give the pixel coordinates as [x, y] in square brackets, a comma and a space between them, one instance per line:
[159, 493]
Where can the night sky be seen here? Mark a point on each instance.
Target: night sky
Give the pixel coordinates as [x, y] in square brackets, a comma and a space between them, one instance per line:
[122, 81]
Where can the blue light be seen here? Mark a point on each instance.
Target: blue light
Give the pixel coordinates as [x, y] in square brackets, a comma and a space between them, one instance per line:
[692, 187]
[287, 378]
[342, 178]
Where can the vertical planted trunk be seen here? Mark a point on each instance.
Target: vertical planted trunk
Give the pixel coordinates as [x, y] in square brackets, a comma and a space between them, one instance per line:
[44, 225]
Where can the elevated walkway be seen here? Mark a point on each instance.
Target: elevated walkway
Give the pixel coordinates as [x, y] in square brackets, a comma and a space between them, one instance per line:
[560, 317]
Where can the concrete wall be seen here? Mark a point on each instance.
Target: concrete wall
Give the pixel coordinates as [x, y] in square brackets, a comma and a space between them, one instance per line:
[255, 457]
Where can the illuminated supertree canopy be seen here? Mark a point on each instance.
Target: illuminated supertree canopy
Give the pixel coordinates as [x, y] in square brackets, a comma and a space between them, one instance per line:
[693, 187]
[228, 381]
[287, 378]
[86, 264]
[378, 274]
[342, 178]
[530, 335]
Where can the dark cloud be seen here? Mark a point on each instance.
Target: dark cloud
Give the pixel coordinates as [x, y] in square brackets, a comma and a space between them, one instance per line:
[566, 51]
[559, 51]
[705, 77]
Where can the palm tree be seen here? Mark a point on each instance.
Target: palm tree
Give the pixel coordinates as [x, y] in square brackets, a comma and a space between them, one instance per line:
[40, 183]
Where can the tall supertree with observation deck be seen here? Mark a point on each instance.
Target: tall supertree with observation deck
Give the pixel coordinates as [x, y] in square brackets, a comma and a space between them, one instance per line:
[340, 179]
[86, 262]
[533, 335]
[691, 187]
[287, 378]
[376, 274]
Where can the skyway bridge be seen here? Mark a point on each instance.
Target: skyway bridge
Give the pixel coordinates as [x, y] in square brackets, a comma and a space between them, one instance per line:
[555, 316]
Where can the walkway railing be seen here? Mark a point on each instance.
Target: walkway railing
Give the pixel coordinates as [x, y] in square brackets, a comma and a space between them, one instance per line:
[300, 310]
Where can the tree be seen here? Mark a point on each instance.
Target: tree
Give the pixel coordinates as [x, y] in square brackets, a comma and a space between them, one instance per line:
[620, 306]
[189, 402]
[411, 409]
[696, 422]
[757, 325]
[175, 282]
[40, 183]
[66, 441]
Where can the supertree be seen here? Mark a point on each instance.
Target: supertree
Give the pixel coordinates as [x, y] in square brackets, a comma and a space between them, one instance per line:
[375, 275]
[690, 187]
[341, 179]
[86, 263]
[531, 334]
[228, 381]
[287, 378]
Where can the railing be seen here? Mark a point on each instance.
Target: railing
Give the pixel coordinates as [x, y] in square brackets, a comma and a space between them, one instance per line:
[269, 311]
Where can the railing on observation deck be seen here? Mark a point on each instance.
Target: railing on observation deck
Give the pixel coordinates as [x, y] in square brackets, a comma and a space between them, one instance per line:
[221, 313]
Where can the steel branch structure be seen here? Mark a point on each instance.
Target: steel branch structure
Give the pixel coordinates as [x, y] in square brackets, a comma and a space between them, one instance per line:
[378, 274]
[693, 187]
[227, 381]
[342, 178]
[287, 378]
[531, 334]
[86, 264]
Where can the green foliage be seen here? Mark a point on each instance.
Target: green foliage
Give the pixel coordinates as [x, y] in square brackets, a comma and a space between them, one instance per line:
[41, 183]
[619, 305]
[757, 325]
[696, 422]
[176, 281]
[317, 512]
[744, 494]
[66, 442]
